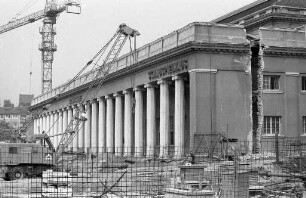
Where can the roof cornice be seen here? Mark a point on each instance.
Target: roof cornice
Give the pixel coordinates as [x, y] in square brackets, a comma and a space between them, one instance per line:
[272, 17]
[180, 51]
[285, 52]
[240, 10]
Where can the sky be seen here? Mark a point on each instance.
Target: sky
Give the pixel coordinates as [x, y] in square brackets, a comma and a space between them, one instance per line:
[79, 37]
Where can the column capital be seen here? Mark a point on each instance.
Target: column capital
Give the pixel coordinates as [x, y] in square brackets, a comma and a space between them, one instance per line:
[138, 89]
[109, 96]
[163, 81]
[177, 77]
[118, 94]
[127, 91]
[59, 110]
[94, 100]
[86, 103]
[75, 106]
[101, 99]
[149, 85]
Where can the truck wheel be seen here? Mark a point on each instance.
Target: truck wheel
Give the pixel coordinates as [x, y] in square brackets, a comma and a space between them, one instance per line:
[16, 173]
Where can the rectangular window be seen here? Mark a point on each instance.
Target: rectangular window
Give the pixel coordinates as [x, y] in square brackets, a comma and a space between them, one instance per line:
[303, 83]
[304, 124]
[271, 125]
[271, 82]
[13, 150]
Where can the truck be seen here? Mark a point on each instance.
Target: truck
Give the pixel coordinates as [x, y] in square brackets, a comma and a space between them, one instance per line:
[19, 160]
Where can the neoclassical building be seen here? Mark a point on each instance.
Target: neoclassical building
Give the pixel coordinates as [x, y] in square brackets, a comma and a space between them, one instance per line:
[196, 81]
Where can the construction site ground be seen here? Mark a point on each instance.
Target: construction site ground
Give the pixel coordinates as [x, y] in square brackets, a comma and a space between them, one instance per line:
[112, 176]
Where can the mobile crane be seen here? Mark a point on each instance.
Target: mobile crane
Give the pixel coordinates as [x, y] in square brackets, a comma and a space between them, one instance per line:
[18, 160]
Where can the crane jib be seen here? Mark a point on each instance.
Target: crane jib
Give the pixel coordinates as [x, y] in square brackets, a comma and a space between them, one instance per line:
[22, 21]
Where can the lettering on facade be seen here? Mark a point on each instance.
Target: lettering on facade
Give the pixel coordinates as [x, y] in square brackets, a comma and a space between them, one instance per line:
[169, 70]
[75, 99]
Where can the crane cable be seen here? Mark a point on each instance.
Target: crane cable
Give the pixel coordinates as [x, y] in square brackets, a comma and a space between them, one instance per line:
[94, 60]
[25, 8]
[31, 58]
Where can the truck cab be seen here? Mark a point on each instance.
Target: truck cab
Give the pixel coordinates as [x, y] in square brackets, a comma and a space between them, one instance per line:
[18, 160]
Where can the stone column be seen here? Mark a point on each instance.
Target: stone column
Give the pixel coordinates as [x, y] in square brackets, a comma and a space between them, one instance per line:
[151, 118]
[40, 125]
[81, 134]
[128, 137]
[65, 119]
[164, 118]
[179, 116]
[118, 125]
[44, 123]
[69, 118]
[94, 126]
[139, 122]
[56, 128]
[102, 126]
[48, 123]
[109, 124]
[35, 126]
[75, 139]
[51, 132]
[60, 125]
[87, 135]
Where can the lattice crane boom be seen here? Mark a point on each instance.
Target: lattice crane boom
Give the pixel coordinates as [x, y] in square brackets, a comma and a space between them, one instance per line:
[22, 21]
[119, 39]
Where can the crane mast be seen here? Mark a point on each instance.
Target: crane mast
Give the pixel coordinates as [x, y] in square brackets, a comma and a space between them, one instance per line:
[47, 46]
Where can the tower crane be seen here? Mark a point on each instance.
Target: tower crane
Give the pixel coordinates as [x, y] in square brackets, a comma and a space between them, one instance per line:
[47, 31]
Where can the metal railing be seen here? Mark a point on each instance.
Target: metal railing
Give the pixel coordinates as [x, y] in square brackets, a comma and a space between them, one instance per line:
[227, 171]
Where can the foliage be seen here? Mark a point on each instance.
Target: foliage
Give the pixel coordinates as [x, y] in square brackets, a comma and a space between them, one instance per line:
[7, 132]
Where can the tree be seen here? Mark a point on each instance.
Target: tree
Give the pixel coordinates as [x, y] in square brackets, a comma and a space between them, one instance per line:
[7, 133]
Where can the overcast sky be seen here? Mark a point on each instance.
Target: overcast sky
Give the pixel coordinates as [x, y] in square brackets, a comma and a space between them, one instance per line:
[79, 37]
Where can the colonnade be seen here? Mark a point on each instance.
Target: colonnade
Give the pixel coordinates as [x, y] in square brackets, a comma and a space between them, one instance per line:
[115, 122]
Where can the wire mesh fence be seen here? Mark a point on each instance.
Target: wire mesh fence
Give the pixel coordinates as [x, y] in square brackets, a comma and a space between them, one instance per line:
[225, 168]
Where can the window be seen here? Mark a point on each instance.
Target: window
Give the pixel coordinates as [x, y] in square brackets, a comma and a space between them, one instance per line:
[304, 124]
[271, 82]
[34, 150]
[303, 83]
[13, 150]
[271, 125]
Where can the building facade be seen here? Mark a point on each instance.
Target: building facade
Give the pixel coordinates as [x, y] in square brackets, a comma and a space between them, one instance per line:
[16, 116]
[193, 83]
[284, 72]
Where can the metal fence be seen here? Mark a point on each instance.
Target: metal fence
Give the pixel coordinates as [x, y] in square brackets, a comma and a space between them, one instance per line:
[222, 169]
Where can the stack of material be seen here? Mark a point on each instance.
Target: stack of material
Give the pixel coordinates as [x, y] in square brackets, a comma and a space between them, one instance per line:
[56, 184]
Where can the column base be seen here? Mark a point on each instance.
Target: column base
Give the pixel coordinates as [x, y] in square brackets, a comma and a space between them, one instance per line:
[138, 153]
